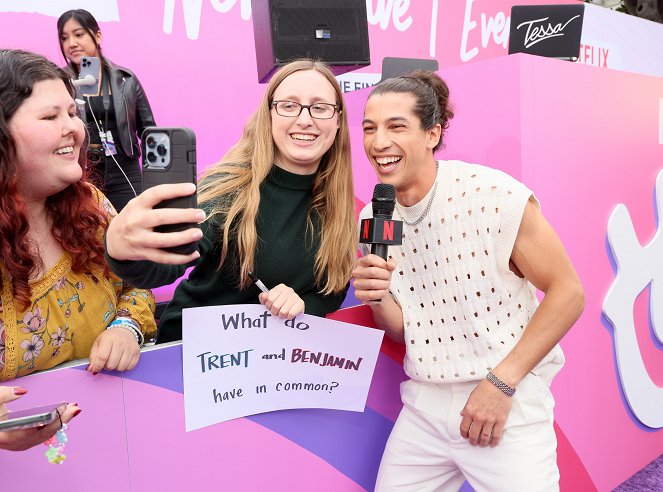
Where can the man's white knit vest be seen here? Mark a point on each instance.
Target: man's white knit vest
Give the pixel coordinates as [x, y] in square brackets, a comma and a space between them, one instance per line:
[463, 308]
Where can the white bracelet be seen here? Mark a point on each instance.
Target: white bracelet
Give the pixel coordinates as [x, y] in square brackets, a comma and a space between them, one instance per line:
[130, 325]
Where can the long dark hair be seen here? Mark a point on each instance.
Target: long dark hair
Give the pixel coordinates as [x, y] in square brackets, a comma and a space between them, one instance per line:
[75, 213]
[87, 22]
[431, 94]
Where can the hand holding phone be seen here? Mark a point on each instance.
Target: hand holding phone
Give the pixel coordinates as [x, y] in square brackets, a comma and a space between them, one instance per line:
[13, 438]
[89, 66]
[131, 234]
[31, 417]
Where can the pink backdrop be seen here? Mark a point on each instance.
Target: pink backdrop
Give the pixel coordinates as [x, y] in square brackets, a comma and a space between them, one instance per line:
[588, 139]
[538, 120]
[210, 83]
[584, 139]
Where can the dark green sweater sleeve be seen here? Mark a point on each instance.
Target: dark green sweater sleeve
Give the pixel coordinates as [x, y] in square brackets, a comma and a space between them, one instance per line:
[320, 305]
[148, 274]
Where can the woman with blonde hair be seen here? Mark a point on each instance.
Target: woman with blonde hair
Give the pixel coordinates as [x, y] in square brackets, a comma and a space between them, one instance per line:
[280, 203]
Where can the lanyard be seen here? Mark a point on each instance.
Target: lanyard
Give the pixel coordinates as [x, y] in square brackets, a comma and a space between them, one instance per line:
[105, 94]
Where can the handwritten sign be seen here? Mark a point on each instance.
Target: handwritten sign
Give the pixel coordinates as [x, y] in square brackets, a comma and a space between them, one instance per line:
[240, 360]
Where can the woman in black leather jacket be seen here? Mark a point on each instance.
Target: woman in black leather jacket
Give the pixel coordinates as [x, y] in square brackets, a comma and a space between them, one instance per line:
[115, 117]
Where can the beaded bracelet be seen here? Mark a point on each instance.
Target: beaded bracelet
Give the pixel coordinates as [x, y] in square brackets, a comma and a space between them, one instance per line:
[501, 385]
[56, 444]
[130, 325]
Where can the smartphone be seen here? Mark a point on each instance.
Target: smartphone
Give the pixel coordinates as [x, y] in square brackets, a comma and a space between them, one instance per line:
[30, 417]
[169, 156]
[89, 66]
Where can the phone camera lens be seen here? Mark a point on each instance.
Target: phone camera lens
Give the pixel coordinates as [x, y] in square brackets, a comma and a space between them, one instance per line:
[151, 157]
[151, 142]
[161, 150]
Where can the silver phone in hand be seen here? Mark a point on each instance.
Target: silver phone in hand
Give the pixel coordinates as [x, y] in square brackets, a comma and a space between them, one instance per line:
[89, 66]
[30, 417]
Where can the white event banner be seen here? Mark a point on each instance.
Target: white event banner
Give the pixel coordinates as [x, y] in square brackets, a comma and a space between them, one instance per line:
[239, 360]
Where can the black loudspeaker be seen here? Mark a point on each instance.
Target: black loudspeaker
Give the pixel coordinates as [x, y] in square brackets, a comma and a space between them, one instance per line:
[395, 67]
[334, 31]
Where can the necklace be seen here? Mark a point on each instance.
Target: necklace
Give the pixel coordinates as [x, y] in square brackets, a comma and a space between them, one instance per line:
[426, 210]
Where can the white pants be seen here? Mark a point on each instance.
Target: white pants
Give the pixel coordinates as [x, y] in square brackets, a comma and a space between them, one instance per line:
[425, 451]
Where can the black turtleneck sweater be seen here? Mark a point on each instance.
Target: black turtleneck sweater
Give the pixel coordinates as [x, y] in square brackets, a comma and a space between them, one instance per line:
[285, 254]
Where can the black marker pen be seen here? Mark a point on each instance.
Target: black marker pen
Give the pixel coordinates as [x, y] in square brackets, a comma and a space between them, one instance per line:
[258, 282]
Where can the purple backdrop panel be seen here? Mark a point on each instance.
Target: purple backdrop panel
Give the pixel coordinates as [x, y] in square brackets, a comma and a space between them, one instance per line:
[160, 366]
[384, 395]
[294, 449]
[235, 455]
[352, 442]
[593, 139]
[97, 448]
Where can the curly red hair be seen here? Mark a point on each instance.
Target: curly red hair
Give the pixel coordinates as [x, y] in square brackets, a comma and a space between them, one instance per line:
[77, 217]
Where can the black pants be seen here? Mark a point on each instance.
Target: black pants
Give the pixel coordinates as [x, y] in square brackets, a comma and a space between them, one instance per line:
[108, 176]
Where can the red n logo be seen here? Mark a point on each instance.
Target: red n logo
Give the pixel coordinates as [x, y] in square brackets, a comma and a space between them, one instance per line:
[364, 234]
[388, 230]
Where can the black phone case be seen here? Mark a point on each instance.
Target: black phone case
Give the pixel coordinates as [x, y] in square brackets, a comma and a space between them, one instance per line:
[181, 169]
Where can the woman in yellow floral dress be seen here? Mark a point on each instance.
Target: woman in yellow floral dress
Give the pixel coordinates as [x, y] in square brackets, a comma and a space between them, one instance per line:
[59, 301]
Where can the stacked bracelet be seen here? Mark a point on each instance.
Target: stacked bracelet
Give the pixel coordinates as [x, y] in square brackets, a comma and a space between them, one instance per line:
[129, 325]
[501, 385]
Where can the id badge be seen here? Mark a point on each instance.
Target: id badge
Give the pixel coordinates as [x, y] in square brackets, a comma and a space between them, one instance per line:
[109, 143]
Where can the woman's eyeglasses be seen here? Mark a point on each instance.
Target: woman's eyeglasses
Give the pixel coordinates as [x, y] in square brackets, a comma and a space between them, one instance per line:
[292, 109]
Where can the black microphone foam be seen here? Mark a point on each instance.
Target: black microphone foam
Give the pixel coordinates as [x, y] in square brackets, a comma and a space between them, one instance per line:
[384, 200]
[380, 231]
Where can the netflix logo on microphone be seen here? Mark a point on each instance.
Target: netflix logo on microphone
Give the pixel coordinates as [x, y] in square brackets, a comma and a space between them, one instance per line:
[381, 231]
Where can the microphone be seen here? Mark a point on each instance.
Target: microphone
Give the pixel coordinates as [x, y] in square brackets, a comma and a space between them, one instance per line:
[85, 81]
[381, 230]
